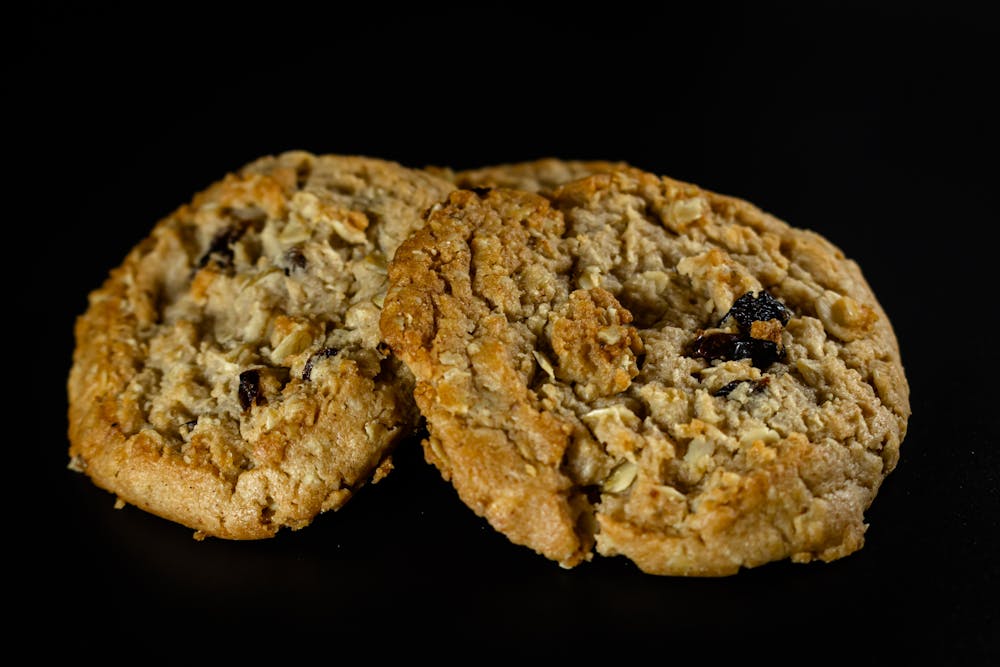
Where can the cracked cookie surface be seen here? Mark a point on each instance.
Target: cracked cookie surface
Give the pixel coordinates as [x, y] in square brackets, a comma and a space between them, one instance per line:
[542, 175]
[632, 365]
[228, 375]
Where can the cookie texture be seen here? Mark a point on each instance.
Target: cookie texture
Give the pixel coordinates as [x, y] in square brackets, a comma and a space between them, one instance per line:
[228, 375]
[633, 365]
[542, 175]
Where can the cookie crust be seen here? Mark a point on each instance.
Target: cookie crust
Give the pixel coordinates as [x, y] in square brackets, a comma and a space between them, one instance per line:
[553, 343]
[542, 175]
[228, 375]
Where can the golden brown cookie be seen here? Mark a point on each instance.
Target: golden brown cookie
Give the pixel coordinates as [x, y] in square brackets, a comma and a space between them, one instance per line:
[638, 366]
[228, 375]
[541, 175]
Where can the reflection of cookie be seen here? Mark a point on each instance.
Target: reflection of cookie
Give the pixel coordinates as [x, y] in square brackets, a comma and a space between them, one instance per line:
[542, 175]
[641, 366]
[228, 375]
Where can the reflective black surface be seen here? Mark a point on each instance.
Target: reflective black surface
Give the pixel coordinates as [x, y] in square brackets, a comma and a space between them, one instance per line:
[864, 124]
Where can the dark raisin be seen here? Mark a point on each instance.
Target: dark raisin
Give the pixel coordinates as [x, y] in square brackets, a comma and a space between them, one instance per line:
[749, 309]
[772, 354]
[221, 247]
[325, 353]
[729, 346]
[482, 193]
[727, 389]
[249, 388]
[294, 259]
[762, 353]
[757, 386]
[715, 346]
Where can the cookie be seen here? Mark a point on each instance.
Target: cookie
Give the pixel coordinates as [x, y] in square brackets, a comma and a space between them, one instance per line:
[541, 175]
[636, 366]
[228, 375]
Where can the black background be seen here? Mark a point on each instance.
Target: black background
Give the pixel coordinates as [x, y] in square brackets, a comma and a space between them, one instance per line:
[874, 126]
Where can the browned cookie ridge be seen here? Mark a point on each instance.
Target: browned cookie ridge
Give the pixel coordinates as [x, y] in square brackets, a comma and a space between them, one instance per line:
[542, 175]
[228, 375]
[633, 365]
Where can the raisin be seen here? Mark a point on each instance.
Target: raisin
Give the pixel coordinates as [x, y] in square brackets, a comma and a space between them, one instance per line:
[762, 353]
[715, 346]
[729, 346]
[249, 389]
[757, 386]
[763, 349]
[749, 309]
[726, 389]
[325, 353]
